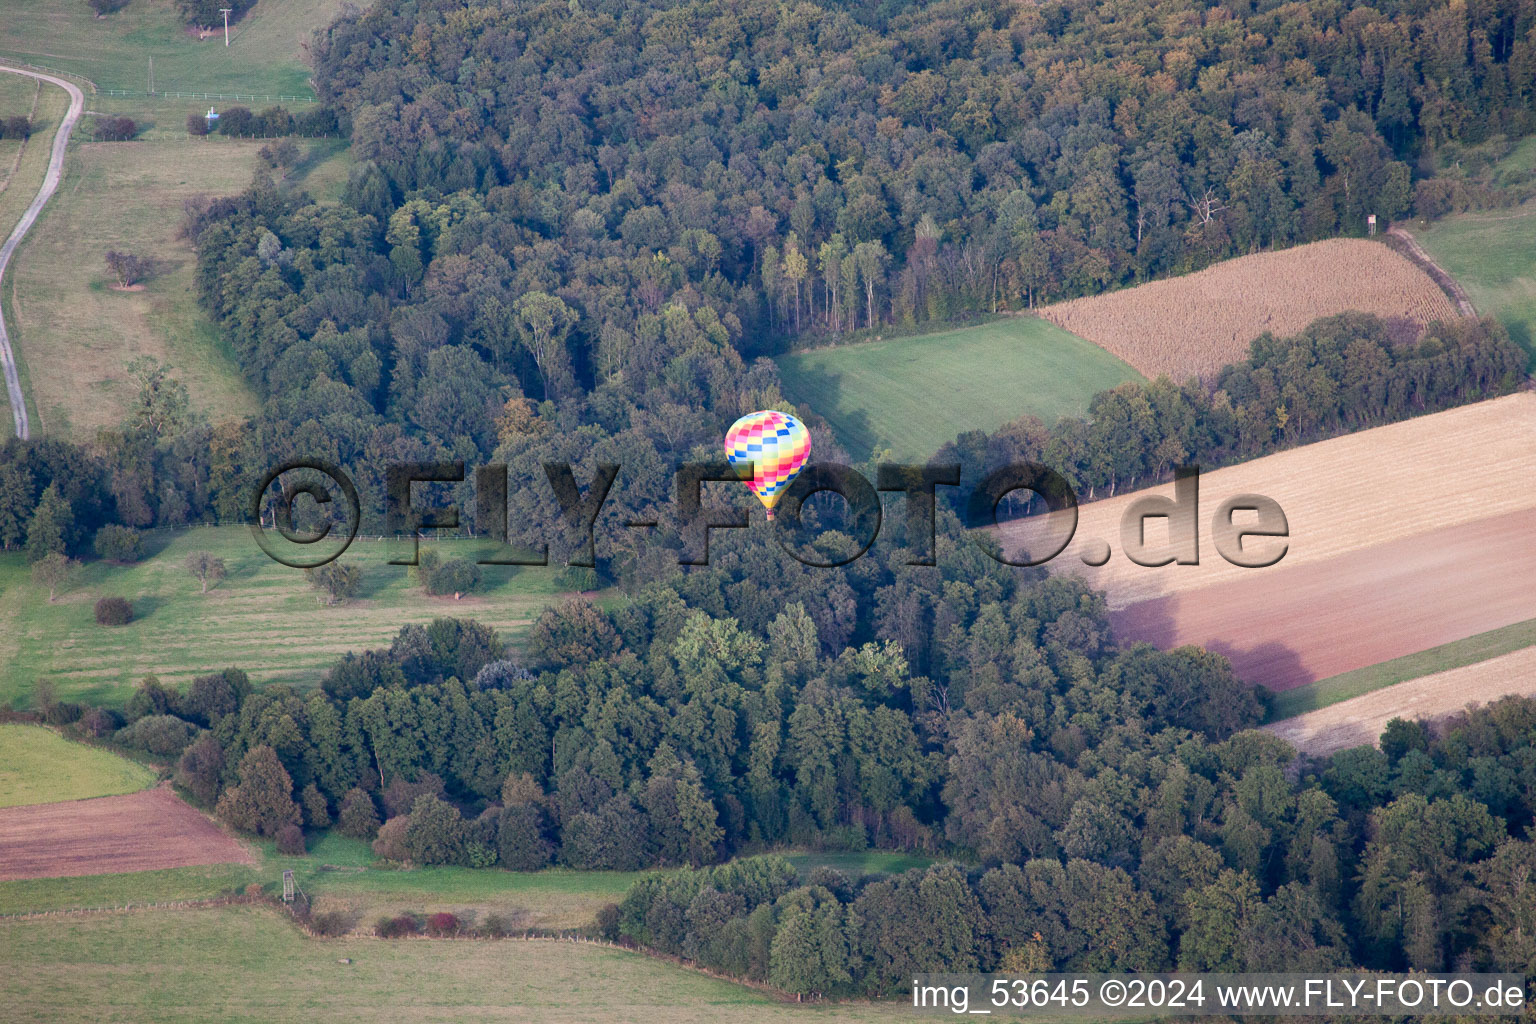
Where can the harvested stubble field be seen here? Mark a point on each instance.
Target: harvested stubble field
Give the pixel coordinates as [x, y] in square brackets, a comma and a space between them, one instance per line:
[1361, 720]
[139, 832]
[1401, 538]
[1198, 323]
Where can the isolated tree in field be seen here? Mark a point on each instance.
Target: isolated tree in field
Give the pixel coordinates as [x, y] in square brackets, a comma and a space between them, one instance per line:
[127, 267]
[543, 321]
[197, 124]
[52, 571]
[161, 405]
[337, 581]
[205, 567]
[263, 801]
[49, 526]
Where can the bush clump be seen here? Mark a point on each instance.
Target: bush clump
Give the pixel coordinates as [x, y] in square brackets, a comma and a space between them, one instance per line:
[114, 611]
[290, 841]
[442, 924]
[98, 722]
[397, 927]
[330, 924]
[115, 129]
[120, 544]
[165, 735]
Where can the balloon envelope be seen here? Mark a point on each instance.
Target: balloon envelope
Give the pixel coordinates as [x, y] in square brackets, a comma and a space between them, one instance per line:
[776, 444]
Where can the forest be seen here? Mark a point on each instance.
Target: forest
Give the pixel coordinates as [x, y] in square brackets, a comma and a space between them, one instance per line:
[574, 232]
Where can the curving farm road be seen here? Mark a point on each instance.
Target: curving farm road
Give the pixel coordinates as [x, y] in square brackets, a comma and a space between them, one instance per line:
[50, 185]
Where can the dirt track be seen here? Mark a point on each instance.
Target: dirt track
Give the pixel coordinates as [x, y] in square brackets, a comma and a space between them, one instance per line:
[1294, 626]
[1361, 719]
[50, 184]
[139, 832]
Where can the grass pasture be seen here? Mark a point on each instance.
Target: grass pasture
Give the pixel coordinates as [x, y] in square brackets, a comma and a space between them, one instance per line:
[38, 766]
[913, 394]
[1493, 256]
[252, 965]
[76, 331]
[264, 618]
[263, 58]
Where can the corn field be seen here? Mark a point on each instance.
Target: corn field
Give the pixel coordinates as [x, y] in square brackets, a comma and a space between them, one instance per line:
[1198, 323]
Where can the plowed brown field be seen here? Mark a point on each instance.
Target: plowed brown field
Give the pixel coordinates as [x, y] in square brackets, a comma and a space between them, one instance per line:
[1295, 626]
[111, 834]
[1197, 323]
[1402, 538]
[1361, 720]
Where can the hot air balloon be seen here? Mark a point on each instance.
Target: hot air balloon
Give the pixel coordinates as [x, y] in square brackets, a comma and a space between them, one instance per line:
[776, 444]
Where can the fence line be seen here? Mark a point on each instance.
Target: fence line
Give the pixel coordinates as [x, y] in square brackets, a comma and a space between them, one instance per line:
[217, 901]
[51, 71]
[236, 96]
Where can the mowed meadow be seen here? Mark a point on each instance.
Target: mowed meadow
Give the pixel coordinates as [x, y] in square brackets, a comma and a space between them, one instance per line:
[38, 766]
[1196, 324]
[251, 964]
[74, 331]
[1492, 255]
[913, 394]
[263, 58]
[264, 618]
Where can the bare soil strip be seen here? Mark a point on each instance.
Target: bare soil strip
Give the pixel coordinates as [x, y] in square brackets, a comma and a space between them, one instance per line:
[1361, 720]
[112, 834]
[1295, 626]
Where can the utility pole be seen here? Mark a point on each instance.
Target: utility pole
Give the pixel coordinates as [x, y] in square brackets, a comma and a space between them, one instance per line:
[225, 11]
[151, 76]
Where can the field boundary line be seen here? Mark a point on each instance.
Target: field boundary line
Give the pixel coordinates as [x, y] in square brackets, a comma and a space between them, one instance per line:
[1411, 248]
[212, 902]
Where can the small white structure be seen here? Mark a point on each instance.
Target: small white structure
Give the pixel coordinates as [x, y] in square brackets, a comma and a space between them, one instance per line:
[212, 116]
[1370, 221]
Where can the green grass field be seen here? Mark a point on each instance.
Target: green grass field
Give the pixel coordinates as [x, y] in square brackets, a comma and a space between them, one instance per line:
[264, 618]
[263, 58]
[76, 331]
[340, 874]
[248, 964]
[1493, 255]
[38, 766]
[910, 395]
[73, 330]
[1399, 670]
